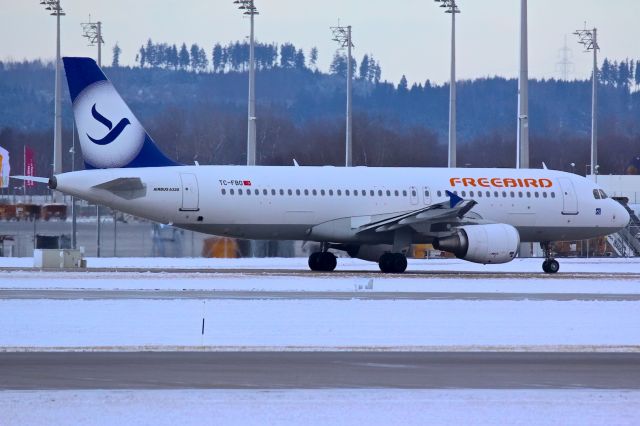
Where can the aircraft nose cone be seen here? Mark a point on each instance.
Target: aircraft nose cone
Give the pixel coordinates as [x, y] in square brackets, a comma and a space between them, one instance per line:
[621, 216]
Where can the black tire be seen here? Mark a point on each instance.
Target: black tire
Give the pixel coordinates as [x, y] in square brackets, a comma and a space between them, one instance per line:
[385, 263]
[393, 263]
[322, 261]
[314, 261]
[545, 266]
[399, 263]
[553, 266]
[328, 261]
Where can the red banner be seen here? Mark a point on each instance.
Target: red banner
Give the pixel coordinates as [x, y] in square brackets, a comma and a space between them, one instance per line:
[29, 165]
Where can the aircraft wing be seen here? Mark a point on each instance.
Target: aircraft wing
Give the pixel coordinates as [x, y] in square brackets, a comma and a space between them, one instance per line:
[453, 210]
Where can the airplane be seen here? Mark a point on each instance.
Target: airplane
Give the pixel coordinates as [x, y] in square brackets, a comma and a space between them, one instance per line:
[373, 213]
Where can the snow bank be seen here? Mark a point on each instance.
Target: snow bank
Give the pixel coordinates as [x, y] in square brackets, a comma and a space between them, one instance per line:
[320, 407]
[317, 323]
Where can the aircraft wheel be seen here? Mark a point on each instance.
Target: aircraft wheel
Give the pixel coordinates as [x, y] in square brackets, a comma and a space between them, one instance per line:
[550, 266]
[322, 261]
[394, 263]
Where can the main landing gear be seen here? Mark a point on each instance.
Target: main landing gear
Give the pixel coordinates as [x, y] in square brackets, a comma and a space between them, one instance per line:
[394, 263]
[550, 265]
[322, 260]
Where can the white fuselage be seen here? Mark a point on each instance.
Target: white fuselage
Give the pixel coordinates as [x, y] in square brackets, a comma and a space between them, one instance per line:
[288, 202]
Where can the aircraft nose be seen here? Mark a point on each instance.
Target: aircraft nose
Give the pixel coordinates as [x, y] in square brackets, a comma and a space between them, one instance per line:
[621, 216]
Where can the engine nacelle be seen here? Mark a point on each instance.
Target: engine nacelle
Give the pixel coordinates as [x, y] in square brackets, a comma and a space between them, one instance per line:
[368, 252]
[494, 243]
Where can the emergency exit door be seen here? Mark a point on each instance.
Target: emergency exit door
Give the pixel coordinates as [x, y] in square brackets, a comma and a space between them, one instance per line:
[190, 195]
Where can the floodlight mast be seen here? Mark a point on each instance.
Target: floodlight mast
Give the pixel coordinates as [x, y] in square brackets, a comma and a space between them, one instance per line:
[522, 146]
[589, 39]
[249, 9]
[56, 10]
[452, 8]
[92, 31]
[342, 35]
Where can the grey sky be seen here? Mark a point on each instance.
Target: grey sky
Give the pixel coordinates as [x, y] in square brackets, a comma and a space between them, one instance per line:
[406, 36]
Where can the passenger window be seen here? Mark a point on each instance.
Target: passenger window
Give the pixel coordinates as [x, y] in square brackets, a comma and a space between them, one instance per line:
[346, 192]
[479, 194]
[257, 192]
[536, 194]
[426, 193]
[404, 193]
[282, 192]
[339, 192]
[355, 192]
[297, 192]
[553, 195]
[231, 191]
[331, 192]
[528, 194]
[413, 193]
[504, 194]
[314, 192]
[513, 194]
[439, 194]
[306, 192]
[464, 193]
[489, 194]
[371, 192]
[273, 192]
[544, 195]
[264, 192]
[388, 193]
[520, 194]
[224, 191]
[322, 192]
[290, 192]
[239, 191]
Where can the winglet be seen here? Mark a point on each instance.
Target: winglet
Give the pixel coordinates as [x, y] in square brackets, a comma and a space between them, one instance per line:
[544, 166]
[295, 163]
[454, 200]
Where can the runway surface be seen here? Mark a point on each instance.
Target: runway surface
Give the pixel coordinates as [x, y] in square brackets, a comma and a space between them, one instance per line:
[84, 294]
[315, 370]
[305, 273]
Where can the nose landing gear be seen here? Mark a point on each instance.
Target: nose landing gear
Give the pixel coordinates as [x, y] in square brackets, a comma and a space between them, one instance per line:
[550, 265]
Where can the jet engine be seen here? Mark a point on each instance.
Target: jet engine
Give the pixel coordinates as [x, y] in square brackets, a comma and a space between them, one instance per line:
[493, 243]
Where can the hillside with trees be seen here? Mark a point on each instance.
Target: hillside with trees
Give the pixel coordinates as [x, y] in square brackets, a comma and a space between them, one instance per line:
[193, 101]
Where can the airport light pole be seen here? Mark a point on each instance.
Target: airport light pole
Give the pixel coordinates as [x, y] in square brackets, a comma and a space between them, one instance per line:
[56, 10]
[342, 35]
[92, 31]
[249, 9]
[452, 8]
[589, 39]
[522, 147]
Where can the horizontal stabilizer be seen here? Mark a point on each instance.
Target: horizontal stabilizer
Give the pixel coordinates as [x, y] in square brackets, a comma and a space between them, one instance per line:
[33, 178]
[125, 187]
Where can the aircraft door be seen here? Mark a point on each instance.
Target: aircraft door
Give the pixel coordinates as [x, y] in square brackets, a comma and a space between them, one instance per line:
[569, 198]
[426, 195]
[413, 193]
[190, 195]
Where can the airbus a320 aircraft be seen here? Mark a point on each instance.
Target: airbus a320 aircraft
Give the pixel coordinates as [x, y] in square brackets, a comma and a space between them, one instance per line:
[375, 214]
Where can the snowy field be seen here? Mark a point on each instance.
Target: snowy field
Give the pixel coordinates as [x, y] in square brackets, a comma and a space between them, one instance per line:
[321, 324]
[321, 407]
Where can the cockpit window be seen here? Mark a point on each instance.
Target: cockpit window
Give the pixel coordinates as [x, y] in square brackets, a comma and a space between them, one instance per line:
[602, 194]
[596, 194]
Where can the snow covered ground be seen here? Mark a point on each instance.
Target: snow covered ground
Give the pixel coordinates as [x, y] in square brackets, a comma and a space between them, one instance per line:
[320, 324]
[321, 407]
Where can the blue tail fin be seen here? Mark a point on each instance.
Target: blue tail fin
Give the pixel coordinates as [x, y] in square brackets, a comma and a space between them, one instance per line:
[110, 135]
